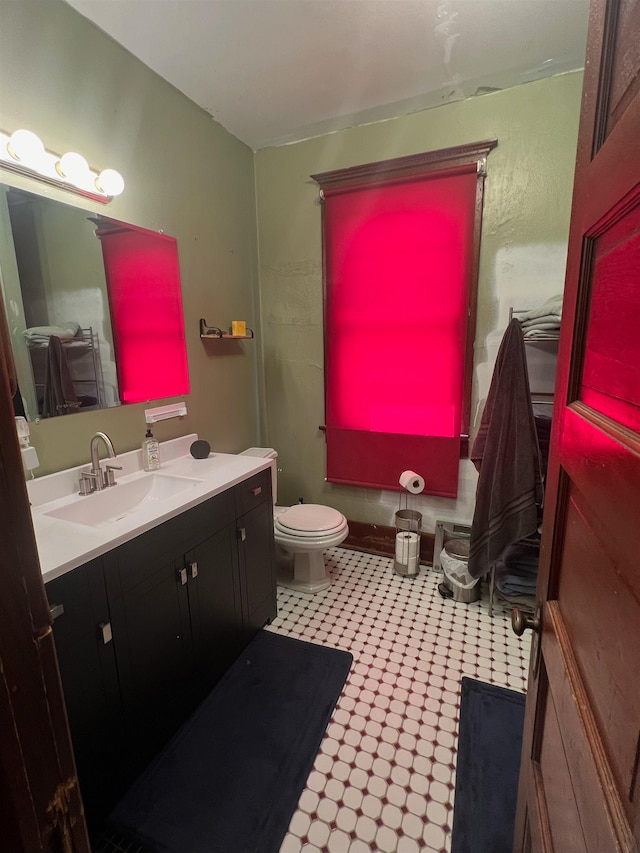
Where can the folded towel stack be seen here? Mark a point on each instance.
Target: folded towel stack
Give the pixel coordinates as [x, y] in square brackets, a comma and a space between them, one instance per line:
[517, 570]
[38, 336]
[543, 321]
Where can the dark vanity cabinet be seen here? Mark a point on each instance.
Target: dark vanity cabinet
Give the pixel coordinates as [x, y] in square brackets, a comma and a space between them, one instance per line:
[172, 595]
[216, 623]
[149, 628]
[254, 513]
[87, 663]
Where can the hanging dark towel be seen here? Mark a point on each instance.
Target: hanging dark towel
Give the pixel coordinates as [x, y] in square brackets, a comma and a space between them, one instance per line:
[18, 404]
[59, 395]
[506, 454]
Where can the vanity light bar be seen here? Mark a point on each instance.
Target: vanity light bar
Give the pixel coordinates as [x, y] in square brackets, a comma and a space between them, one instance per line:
[24, 153]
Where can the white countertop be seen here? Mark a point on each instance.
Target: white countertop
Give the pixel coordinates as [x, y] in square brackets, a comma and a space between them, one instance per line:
[63, 545]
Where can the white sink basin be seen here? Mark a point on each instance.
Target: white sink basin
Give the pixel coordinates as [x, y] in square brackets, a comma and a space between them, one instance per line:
[117, 502]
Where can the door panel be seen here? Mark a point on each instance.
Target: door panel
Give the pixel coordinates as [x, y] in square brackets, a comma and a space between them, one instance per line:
[599, 805]
[626, 60]
[581, 746]
[595, 600]
[562, 810]
[611, 373]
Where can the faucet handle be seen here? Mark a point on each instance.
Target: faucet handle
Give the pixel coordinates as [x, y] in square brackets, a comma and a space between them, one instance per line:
[109, 476]
[88, 482]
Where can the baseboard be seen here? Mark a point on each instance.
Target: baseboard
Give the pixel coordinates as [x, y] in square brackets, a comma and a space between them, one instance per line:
[380, 539]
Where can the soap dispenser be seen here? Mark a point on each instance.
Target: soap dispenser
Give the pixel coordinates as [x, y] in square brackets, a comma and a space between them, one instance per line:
[29, 455]
[150, 452]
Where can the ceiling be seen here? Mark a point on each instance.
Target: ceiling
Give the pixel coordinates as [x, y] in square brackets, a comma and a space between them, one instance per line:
[278, 71]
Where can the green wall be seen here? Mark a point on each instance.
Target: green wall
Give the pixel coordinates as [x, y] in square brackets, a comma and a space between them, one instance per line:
[78, 90]
[187, 176]
[525, 229]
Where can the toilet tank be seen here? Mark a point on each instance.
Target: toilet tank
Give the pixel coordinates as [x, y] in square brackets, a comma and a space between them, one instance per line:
[266, 453]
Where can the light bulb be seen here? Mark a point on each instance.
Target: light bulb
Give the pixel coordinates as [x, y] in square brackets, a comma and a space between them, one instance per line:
[110, 182]
[25, 146]
[73, 167]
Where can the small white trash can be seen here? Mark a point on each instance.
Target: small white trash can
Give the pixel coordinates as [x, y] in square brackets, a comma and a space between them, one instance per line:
[454, 559]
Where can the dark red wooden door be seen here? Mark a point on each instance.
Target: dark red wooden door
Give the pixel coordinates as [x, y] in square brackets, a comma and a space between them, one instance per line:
[579, 786]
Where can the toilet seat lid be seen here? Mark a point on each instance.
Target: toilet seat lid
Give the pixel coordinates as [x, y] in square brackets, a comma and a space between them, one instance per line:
[310, 518]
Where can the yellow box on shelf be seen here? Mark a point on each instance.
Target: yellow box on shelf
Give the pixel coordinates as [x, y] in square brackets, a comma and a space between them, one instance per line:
[239, 328]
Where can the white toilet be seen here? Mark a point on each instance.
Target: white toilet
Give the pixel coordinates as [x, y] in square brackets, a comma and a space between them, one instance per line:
[302, 534]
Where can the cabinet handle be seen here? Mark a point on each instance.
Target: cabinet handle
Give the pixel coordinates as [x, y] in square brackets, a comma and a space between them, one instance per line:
[105, 629]
[182, 576]
[257, 491]
[56, 610]
[194, 569]
[242, 534]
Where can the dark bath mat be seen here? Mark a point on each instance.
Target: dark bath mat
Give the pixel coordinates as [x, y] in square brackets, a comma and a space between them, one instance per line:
[231, 778]
[491, 721]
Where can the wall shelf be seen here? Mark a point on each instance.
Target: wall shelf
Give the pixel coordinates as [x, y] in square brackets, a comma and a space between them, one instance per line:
[213, 333]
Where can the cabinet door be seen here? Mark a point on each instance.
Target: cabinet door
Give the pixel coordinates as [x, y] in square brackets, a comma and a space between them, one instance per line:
[160, 635]
[214, 601]
[88, 672]
[257, 575]
[147, 590]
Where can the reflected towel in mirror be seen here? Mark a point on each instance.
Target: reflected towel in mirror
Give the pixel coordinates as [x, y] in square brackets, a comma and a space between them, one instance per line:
[59, 394]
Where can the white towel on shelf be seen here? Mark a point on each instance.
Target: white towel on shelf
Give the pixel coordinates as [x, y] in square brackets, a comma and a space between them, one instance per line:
[549, 321]
[551, 308]
[545, 332]
[39, 335]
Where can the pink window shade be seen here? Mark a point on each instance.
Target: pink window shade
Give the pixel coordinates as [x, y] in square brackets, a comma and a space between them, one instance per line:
[398, 267]
[143, 280]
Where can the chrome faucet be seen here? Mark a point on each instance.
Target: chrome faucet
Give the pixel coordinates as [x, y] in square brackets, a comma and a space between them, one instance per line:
[97, 479]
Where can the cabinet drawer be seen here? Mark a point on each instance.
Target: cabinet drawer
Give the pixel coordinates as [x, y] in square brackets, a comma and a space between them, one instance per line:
[253, 491]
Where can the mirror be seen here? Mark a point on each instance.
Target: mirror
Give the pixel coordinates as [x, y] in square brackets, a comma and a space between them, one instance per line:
[94, 308]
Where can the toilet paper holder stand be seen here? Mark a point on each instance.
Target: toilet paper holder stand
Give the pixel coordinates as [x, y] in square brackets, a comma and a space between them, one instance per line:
[407, 542]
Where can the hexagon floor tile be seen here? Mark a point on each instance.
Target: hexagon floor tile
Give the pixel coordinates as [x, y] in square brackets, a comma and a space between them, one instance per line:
[384, 778]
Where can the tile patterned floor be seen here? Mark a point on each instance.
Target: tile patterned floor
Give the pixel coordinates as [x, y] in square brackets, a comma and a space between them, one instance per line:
[384, 778]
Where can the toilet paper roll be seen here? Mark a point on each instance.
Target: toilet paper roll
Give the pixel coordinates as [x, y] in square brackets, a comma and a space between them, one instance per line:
[407, 546]
[412, 482]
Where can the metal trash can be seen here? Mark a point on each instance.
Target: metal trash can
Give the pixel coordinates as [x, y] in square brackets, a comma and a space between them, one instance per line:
[454, 558]
[407, 559]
